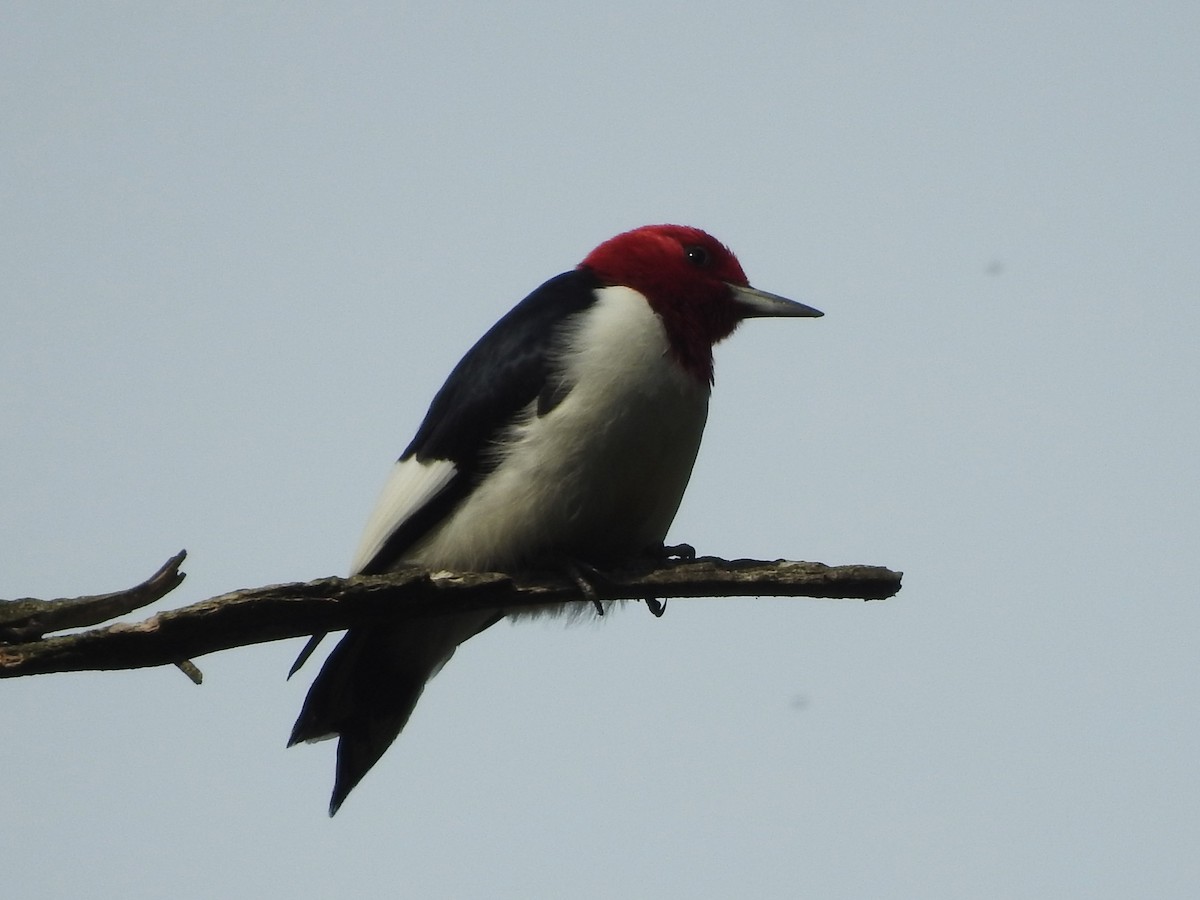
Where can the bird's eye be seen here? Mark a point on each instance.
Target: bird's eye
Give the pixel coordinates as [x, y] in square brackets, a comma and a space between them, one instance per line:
[697, 256]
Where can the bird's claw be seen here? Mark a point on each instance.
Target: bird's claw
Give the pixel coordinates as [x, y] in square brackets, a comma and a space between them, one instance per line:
[585, 577]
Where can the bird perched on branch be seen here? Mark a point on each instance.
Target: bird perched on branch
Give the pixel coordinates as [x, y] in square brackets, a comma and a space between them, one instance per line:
[565, 437]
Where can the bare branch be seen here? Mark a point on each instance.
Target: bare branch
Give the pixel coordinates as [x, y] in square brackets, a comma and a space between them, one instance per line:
[28, 619]
[277, 612]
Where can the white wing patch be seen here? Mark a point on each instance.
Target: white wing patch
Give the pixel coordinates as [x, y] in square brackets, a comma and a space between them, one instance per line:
[411, 485]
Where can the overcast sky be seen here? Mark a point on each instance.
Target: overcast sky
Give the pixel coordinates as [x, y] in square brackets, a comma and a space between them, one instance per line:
[242, 246]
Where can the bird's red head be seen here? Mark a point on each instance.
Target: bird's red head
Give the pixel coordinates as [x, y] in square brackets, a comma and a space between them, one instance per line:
[690, 279]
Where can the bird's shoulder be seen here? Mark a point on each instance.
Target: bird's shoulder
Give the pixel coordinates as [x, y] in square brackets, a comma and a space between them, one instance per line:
[507, 369]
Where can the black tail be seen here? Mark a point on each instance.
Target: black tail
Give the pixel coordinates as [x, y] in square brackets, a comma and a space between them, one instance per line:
[364, 693]
[369, 686]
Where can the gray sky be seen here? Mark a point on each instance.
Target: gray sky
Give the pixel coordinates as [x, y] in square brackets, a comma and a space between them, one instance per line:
[244, 244]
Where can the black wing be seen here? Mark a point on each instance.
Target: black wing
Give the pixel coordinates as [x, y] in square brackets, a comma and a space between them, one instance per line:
[507, 369]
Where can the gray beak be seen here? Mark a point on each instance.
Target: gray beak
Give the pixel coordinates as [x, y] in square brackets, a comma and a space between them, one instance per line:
[754, 303]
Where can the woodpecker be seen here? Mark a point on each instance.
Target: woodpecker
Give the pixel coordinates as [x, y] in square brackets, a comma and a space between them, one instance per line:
[565, 436]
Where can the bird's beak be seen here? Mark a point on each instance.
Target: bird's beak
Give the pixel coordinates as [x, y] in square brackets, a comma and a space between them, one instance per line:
[753, 303]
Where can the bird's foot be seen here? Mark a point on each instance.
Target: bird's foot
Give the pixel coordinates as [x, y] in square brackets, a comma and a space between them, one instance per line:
[586, 578]
[591, 581]
[684, 552]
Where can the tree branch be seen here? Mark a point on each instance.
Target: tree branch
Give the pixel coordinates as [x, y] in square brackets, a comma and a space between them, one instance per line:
[277, 612]
[28, 619]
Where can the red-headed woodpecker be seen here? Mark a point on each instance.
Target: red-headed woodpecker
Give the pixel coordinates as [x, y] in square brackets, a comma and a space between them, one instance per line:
[565, 436]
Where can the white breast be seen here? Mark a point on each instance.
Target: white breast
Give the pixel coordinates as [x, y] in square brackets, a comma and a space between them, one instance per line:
[602, 474]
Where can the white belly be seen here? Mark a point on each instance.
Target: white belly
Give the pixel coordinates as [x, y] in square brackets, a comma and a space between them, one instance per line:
[601, 475]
